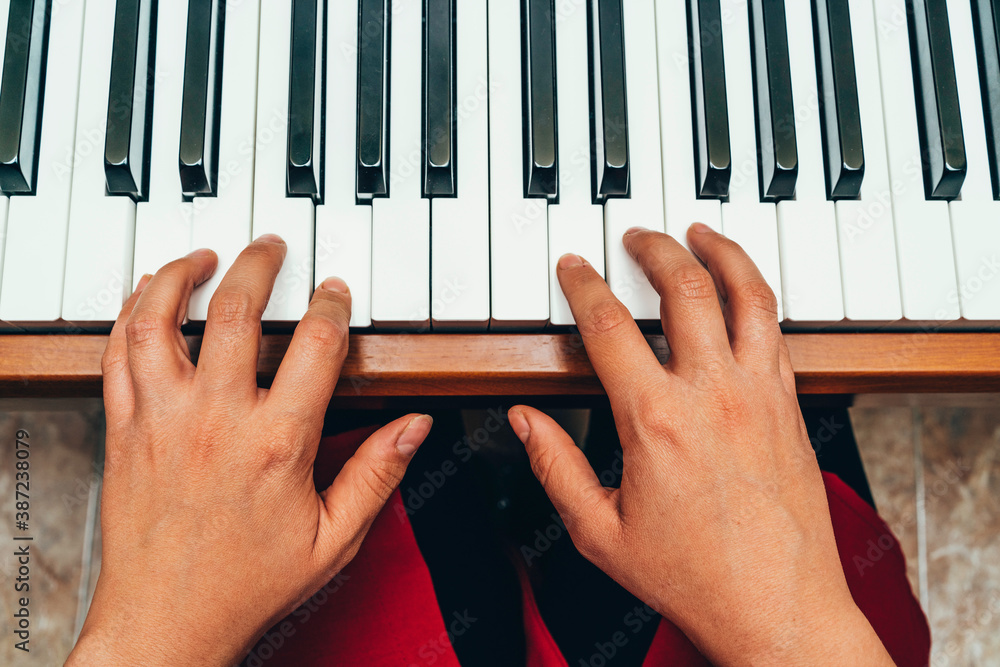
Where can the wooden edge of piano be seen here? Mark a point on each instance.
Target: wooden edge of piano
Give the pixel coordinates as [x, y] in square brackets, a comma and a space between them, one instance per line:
[383, 366]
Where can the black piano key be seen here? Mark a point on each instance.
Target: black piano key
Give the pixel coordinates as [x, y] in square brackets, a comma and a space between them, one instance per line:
[439, 98]
[773, 92]
[840, 110]
[713, 156]
[942, 141]
[986, 16]
[199, 146]
[373, 55]
[21, 94]
[609, 109]
[305, 94]
[539, 65]
[130, 99]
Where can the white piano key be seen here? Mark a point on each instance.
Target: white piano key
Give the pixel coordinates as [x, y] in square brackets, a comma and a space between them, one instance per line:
[223, 223]
[645, 205]
[35, 248]
[868, 266]
[163, 223]
[576, 224]
[460, 226]
[975, 219]
[4, 205]
[519, 261]
[274, 212]
[401, 223]
[101, 228]
[343, 227]
[681, 204]
[807, 225]
[923, 230]
[745, 218]
[344, 249]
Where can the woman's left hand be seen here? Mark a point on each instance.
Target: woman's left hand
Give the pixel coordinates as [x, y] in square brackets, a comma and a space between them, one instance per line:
[212, 527]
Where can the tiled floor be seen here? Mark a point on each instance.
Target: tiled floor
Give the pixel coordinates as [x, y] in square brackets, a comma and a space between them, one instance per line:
[935, 475]
[64, 439]
[934, 467]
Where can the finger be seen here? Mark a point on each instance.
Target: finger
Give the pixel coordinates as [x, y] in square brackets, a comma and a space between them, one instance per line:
[750, 305]
[231, 345]
[156, 348]
[689, 306]
[365, 484]
[118, 397]
[617, 349]
[587, 508]
[309, 372]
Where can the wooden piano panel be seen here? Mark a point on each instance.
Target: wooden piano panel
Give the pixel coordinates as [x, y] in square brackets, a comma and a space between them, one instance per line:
[429, 365]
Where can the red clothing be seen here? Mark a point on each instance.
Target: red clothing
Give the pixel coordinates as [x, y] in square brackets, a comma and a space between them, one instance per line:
[381, 610]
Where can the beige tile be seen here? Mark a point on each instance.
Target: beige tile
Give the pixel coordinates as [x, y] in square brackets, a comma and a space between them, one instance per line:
[980, 400]
[885, 439]
[61, 471]
[961, 449]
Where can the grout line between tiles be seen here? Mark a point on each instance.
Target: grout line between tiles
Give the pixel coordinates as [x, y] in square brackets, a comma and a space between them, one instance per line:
[918, 472]
[93, 520]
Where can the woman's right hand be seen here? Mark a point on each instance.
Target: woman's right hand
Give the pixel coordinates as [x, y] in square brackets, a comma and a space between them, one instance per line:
[721, 523]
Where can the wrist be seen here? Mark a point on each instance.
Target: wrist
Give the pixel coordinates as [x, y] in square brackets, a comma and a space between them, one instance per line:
[834, 634]
[148, 641]
[102, 646]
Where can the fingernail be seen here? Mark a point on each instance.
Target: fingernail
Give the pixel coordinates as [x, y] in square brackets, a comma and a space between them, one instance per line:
[146, 277]
[570, 261]
[520, 425]
[269, 238]
[635, 230]
[700, 228]
[334, 284]
[201, 252]
[413, 435]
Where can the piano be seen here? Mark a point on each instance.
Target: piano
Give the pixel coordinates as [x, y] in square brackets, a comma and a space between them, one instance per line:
[440, 156]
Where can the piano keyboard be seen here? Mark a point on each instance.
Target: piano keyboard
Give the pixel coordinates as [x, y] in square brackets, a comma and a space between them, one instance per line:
[441, 156]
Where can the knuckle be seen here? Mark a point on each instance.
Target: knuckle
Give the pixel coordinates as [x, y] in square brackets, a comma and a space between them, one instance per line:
[379, 479]
[113, 361]
[658, 431]
[732, 407]
[758, 295]
[274, 457]
[785, 369]
[605, 316]
[322, 332]
[692, 282]
[233, 306]
[545, 463]
[142, 330]
[646, 406]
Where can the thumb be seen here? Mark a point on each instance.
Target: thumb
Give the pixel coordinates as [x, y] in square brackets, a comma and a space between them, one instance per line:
[586, 507]
[365, 483]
